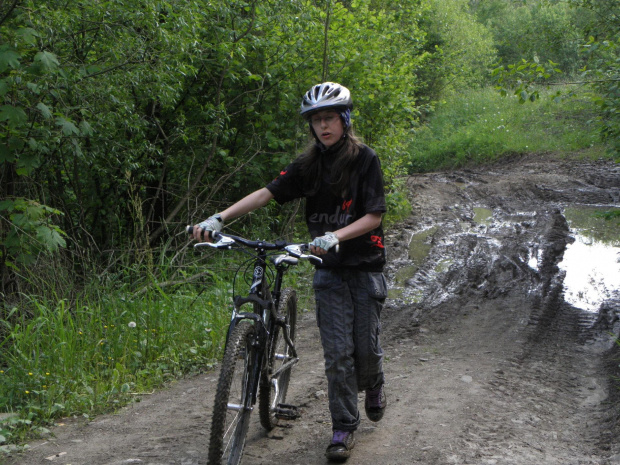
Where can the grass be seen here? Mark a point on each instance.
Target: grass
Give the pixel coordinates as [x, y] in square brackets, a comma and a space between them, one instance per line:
[91, 356]
[481, 127]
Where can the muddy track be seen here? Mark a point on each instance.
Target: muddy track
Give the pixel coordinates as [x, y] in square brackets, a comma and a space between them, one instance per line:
[485, 361]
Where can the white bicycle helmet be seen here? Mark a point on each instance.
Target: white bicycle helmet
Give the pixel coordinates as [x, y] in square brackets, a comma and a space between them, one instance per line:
[325, 96]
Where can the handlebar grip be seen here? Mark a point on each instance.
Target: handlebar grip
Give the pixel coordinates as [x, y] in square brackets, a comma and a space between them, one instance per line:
[190, 230]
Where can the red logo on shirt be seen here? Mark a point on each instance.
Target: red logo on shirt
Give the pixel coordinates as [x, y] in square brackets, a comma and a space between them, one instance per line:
[346, 204]
[282, 173]
[377, 242]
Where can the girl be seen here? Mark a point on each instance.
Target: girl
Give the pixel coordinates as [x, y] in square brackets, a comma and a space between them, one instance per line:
[341, 180]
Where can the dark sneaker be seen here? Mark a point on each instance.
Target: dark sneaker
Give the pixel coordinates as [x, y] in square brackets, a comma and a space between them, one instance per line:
[340, 447]
[375, 403]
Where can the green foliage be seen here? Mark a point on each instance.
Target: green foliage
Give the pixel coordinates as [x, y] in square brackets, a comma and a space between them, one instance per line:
[568, 37]
[612, 215]
[523, 79]
[461, 49]
[603, 72]
[538, 31]
[480, 127]
[31, 127]
[603, 68]
[31, 231]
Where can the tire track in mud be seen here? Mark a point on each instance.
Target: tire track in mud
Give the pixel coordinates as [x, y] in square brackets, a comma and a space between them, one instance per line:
[545, 400]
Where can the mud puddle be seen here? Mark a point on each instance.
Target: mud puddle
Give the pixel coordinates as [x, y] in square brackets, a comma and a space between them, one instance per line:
[592, 261]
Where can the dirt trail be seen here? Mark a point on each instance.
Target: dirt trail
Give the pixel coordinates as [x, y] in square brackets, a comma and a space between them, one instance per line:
[486, 363]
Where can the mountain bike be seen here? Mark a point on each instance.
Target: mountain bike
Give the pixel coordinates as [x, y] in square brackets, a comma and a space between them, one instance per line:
[260, 350]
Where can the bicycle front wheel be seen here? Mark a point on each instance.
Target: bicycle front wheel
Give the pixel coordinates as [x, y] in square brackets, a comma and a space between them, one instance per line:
[274, 384]
[232, 407]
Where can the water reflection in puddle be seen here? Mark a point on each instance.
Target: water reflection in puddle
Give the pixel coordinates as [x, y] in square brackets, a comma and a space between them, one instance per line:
[592, 262]
[483, 216]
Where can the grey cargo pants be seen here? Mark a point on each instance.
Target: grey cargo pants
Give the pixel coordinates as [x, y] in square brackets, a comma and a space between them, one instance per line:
[348, 310]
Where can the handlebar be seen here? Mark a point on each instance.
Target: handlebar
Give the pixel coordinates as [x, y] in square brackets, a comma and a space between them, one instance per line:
[226, 241]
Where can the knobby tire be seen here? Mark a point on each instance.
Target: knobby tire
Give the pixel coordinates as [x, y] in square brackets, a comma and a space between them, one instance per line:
[229, 427]
[279, 354]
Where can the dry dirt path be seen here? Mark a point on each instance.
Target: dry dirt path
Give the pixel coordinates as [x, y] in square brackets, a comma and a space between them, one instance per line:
[486, 363]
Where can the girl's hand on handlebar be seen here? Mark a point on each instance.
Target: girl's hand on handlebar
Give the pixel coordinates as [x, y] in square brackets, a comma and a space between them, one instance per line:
[320, 245]
[202, 232]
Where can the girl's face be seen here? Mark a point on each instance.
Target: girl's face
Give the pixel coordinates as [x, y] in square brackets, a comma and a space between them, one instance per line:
[328, 126]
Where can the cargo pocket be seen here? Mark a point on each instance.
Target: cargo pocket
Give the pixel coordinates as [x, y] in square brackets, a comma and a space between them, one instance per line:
[377, 286]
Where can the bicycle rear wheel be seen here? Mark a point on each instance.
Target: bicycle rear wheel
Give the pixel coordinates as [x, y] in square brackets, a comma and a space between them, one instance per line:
[273, 389]
[231, 418]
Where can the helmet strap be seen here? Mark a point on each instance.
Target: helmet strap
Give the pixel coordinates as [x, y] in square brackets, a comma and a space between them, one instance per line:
[345, 115]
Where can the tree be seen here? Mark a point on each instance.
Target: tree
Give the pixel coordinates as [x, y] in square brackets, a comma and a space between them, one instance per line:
[31, 127]
[122, 121]
[596, 24]
[541, 29]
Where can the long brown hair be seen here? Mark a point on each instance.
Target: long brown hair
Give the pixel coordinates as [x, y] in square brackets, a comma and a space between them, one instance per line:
[345, 153]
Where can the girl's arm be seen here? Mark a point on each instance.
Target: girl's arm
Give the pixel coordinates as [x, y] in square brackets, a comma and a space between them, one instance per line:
[253, 201]
[361, 226]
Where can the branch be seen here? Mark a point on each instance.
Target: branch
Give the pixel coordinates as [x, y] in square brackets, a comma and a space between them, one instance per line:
[112, 69]
[326, 42]
[594, 81]
[249, 28]
[11, 8]
[155, 234]
[173, 283]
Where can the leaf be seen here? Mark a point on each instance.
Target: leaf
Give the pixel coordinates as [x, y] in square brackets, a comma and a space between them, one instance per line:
[50, 238]
[28, 35]
[14, 115]
[7, 205]
[8, 58]
[27, 163]
[44, 109]
[6, 154]
[68, 128]
[86, 128]
[47, 60]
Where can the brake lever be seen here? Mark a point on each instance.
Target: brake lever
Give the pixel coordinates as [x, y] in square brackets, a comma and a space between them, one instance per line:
[222, 243]
[297, 252]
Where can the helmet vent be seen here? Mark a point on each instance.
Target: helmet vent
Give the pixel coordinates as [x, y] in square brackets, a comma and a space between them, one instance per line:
[328, 95]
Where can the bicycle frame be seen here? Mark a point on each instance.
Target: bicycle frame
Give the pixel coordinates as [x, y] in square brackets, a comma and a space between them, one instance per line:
[265, 314]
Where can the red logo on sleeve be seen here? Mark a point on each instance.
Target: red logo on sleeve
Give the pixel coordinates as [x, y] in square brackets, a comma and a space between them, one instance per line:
[377, 242]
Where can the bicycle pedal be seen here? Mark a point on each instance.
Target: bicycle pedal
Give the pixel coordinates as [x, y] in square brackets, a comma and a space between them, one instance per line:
[287, 412]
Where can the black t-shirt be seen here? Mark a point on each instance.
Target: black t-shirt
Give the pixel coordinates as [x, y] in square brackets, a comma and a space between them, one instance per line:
[326, 211]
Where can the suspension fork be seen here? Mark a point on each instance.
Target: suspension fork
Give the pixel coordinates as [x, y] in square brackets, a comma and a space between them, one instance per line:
[258, 301]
